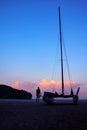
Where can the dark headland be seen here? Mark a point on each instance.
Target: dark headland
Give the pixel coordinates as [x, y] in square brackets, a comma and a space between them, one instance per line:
[7, 92]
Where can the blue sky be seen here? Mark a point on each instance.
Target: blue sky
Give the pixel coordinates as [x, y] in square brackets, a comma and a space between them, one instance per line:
[29, 39]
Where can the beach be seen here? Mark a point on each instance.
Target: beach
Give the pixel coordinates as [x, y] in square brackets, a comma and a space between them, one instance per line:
[29, 115]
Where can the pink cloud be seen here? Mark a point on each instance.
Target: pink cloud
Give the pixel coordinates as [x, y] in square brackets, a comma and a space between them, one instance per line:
[26, 85]
[44, 83]
[51, 86]
[16, 85]
[52, 83]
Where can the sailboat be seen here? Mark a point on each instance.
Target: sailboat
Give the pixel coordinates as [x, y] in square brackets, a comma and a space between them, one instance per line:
[49, 96]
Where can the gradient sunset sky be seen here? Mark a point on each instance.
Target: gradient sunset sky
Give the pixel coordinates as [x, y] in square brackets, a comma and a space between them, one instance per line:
[29, 43]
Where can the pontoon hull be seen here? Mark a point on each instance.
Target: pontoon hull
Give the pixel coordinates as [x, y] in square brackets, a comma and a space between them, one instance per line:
[48, 97]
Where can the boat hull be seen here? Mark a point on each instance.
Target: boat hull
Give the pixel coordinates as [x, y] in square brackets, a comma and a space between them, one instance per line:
[48, 97]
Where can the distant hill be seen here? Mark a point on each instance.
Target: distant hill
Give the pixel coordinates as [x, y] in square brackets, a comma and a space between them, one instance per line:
[7, 92]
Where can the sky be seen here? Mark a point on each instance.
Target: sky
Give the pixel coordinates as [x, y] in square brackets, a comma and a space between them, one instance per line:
[29, 44]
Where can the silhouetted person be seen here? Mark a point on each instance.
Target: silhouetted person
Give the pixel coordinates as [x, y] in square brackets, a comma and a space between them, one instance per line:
[71, 92]
[38, 94]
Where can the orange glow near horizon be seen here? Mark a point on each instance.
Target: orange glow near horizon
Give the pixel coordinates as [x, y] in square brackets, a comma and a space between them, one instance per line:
[16, 85]
[51, 86]
[45, 83]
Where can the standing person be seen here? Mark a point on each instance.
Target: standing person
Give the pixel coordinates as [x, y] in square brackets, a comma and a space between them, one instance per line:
[38, 94]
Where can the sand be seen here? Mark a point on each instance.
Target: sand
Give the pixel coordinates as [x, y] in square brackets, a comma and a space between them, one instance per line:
[29, 115]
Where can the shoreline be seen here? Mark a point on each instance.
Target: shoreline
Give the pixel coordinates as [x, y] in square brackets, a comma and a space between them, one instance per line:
[41, 100]
[29, 115]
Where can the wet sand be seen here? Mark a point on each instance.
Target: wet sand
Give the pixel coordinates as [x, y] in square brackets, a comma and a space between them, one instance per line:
[29, 115]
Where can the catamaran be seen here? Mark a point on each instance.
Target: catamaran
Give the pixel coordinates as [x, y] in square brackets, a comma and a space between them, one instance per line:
[49, 96]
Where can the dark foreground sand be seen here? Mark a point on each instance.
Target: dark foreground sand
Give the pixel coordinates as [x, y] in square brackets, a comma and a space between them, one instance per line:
[24, 115]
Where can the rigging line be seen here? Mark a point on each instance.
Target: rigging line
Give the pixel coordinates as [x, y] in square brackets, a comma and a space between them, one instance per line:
[54, 72]
[68, 69]
[54, 64]
[55, 68]
[67, 63]
[62, 41]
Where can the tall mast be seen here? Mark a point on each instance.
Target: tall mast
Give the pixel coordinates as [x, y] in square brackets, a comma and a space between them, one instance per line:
[61, 51]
